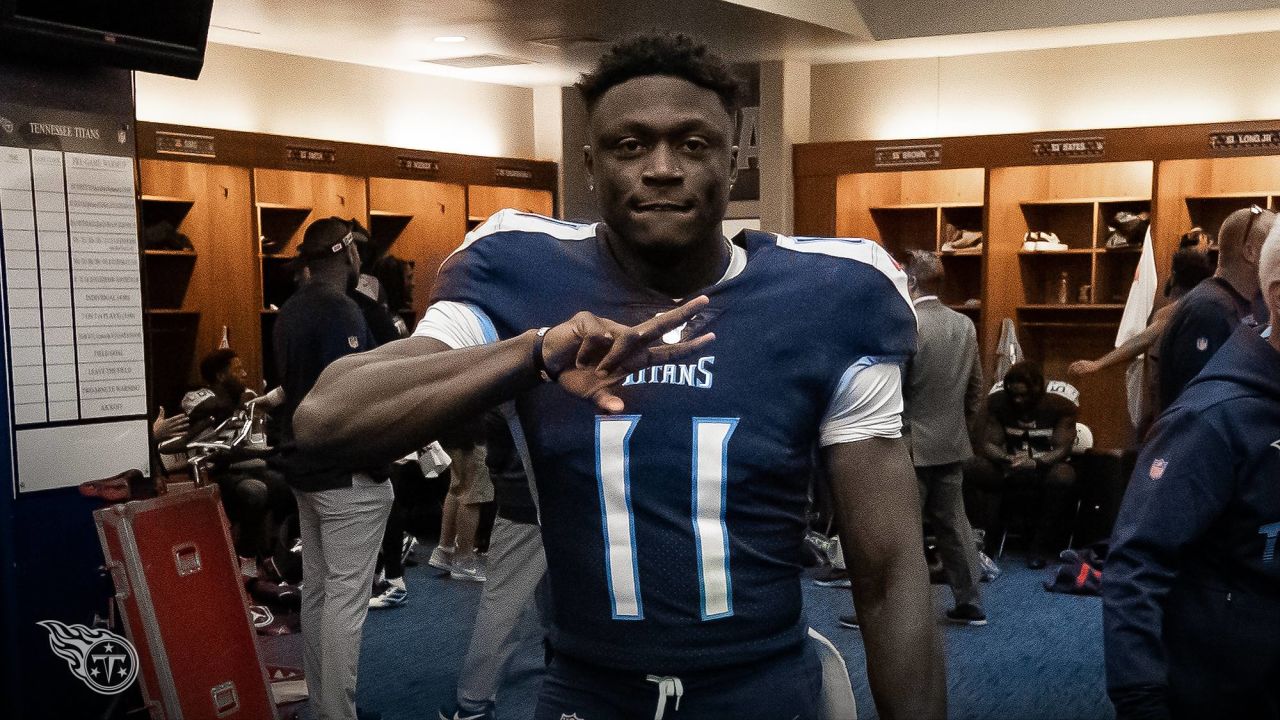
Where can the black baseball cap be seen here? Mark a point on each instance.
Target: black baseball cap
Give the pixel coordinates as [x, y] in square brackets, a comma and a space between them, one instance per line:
[328, 237]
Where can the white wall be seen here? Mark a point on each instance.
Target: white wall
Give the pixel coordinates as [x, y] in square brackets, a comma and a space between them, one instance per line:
[784, 121]
[272, 93]
[1167, 82]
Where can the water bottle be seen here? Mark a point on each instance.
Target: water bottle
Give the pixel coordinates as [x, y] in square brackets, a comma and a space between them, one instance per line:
[1063, 289]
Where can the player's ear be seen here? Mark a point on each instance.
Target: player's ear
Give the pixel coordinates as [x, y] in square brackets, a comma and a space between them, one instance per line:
[589, 162]
[733, 165]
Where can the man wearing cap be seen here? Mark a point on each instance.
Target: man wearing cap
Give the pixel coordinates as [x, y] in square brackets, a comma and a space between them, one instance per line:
[341, 510]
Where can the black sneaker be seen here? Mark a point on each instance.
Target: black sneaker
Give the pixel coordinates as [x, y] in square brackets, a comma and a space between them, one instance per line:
[834, 578]
[967, 614]
[848, 621]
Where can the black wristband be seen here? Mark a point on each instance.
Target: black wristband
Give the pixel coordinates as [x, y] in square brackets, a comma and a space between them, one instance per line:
[539, 362]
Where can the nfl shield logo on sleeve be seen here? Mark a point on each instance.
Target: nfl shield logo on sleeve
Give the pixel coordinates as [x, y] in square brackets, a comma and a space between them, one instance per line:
[1158, 467]
[353, 341]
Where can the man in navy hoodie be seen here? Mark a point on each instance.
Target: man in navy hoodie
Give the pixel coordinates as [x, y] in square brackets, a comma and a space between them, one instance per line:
[1191, 591]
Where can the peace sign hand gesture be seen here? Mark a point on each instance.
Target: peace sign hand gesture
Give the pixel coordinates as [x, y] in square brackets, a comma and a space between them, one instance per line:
[592, 354]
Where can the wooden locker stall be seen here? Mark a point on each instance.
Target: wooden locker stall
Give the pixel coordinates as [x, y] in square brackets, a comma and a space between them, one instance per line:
[193, 293]
[913, 210]
[245, 200]
[1074, 202]
[418, 221]
[1203, 192]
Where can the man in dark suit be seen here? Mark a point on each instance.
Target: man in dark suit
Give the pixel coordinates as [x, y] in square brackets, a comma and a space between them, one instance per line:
[943, 395]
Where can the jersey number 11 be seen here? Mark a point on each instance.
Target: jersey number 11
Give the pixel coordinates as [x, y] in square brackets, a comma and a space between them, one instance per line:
[711, 537]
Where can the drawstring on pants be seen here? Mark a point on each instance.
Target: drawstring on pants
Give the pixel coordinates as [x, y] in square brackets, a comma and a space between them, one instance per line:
[668, 687]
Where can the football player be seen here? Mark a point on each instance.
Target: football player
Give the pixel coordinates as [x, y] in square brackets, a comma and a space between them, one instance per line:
[668, 385]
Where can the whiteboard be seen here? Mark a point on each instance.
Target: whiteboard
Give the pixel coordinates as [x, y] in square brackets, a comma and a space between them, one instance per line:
[75, 367]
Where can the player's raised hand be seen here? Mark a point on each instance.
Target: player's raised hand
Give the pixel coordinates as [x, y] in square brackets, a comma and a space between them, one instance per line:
[597, 354]
[165, 428]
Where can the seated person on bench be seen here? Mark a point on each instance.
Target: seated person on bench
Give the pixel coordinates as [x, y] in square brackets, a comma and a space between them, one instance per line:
[255, 497]
[1029, 432]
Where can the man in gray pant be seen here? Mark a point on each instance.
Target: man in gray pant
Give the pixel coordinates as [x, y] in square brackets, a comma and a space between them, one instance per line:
[515, 605]
[341, 510]
[943, 394]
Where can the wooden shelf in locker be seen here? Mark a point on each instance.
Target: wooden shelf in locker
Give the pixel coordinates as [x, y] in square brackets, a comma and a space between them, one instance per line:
[280, 228]
[905, 209]
[168, 269]
[962, 282]
[902, 228]
[160, 208]
[1074, 307]
[168, 277]
[385, 227]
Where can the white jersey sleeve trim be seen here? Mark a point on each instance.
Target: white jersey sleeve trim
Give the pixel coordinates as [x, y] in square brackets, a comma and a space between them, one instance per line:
[458, 325]
[508, 220]
[867, 403]
[860, 250]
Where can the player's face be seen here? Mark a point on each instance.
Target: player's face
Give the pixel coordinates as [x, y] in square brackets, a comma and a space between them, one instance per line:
[662, 162]
[235, 375]
[1022, 396]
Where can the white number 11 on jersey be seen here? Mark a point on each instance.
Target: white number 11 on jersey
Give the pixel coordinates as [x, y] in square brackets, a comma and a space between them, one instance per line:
[711, 537]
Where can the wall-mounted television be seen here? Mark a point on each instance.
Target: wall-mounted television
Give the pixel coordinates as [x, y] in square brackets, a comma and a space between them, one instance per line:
[160, 36]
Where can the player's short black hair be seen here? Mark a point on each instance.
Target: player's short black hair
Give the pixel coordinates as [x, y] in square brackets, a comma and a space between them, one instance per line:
[675, 55]
[1026, 372]
[216, 363]
[925, 268]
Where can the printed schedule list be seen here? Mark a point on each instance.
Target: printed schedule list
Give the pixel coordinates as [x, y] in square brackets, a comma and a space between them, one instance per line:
[72, 276]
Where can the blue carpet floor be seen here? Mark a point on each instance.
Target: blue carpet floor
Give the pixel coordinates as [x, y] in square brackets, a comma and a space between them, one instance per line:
[1040, 658]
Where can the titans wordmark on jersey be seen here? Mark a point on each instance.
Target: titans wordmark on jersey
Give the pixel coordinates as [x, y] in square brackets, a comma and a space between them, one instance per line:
[673, 530]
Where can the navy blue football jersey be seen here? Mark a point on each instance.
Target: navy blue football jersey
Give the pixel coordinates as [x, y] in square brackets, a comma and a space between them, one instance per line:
[673, 531]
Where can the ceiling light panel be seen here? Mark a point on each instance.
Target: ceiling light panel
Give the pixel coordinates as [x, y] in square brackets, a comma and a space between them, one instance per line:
[474, 62]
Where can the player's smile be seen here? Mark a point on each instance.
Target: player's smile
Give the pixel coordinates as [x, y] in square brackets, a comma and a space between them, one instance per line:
[662, 207]
[662, 212]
